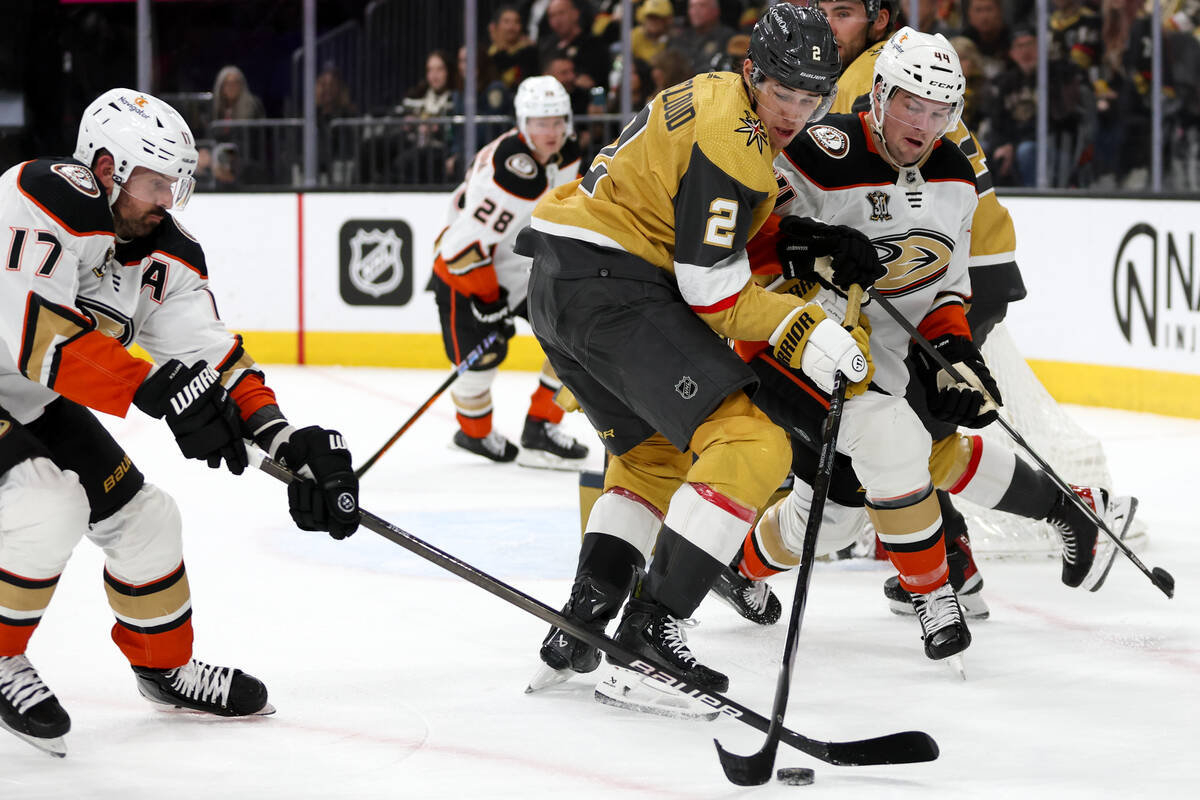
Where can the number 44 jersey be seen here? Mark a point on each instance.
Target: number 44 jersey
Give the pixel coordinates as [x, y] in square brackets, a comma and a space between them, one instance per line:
[474, 253]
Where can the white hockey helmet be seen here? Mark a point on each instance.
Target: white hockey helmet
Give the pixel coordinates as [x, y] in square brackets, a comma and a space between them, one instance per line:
[923, 64]
[139, 130]
[542, 96]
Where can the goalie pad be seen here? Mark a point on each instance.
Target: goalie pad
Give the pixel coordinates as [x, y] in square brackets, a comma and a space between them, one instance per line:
[624, 688]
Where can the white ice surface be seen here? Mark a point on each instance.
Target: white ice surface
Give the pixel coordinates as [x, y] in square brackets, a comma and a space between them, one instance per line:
[394, 679]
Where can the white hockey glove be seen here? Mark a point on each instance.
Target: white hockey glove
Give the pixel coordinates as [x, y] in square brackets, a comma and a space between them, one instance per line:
[807, 340]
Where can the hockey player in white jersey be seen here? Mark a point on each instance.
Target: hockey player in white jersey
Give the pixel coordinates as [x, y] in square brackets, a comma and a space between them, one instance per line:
[480, 283]
[95, 261]
[887, 177]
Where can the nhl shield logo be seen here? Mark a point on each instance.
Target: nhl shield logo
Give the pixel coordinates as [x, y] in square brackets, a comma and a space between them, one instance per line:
[375, 265]
[376, 262]
[686, 387]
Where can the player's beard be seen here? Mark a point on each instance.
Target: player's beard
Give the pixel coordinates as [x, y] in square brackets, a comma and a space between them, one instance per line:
[129, 227]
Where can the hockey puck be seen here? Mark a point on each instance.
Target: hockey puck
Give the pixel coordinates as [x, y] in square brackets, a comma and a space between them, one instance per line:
[795, 776]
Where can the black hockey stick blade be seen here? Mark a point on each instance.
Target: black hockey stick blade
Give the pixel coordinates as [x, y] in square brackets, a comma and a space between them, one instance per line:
[900, 748]
[1164, 581]
[751, 770]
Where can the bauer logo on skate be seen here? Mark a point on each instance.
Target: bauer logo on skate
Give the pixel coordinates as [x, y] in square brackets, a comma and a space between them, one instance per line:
[652, 672]
[1155, 291]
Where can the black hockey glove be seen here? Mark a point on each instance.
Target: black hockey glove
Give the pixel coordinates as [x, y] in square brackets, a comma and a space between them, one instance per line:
[327, 497]
[853, 256]
[495, 316]
[971, 404]
[203, 417]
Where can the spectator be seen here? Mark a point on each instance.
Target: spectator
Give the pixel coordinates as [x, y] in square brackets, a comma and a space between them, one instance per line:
[705, 36]
[567, 35]
[232, 98]
[669, 68]
[332, 98]
[652, 33]
[641, 88]
[1071, 112]
[936, 16]
[205, 182]
[562, 66]
[225, 164]
[427, 145]
[978, 99]
[513, 55]
[1075, 35]
[984, 25]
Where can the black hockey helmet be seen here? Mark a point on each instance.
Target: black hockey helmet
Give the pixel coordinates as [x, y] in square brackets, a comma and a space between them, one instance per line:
[795, 46]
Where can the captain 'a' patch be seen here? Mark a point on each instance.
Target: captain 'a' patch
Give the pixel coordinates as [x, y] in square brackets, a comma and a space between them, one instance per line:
[833, 141]
[79, 177]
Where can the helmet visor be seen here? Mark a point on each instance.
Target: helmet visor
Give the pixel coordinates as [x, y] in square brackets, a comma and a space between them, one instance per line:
[166, 191]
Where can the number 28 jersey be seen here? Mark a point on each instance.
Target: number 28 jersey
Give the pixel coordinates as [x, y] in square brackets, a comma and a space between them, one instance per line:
[474, 253]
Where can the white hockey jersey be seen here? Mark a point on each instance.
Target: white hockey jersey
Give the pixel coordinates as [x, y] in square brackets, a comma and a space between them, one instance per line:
[474, 253]
[74, 298]
[918, 219]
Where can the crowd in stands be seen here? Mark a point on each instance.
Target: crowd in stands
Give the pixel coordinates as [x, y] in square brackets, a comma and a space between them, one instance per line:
[1099, 78]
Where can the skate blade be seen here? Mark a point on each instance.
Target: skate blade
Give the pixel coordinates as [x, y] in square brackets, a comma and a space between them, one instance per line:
[1119, 518]
[630, 691]
[171, 708]
[546, 677]
[540, 459]
[55, 746]
[956, 665]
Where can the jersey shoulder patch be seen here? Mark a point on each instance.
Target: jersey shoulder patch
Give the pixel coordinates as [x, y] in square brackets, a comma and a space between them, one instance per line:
[516, 171]
[68, 192]
[836, 143]
[169, 239]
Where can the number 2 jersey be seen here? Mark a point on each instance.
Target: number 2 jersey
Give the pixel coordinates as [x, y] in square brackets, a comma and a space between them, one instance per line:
[474, 253]
[685, 186]
[73, 297]
[918, 218]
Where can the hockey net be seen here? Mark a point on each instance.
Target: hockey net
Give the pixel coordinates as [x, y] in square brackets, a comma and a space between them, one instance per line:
[1075, 455]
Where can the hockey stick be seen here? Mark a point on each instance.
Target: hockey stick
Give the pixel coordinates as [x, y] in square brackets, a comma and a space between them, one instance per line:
[755, 769]
[908, 747]
[1158, 576]
[466, 364]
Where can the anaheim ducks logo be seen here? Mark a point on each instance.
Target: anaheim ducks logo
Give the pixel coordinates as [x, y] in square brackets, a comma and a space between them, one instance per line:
[914, 260]
[834, 142]
[80, 178]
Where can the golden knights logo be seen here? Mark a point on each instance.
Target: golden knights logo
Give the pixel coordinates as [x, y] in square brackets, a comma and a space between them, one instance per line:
[753, 128]
[879, 206]
[375, 260]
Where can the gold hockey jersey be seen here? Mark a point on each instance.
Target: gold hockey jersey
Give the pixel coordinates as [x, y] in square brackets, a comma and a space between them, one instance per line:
[684, 187]
[993, 239]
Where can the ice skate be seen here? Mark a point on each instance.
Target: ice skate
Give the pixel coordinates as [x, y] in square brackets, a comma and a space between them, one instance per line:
[942, 625]
[964, 577]
[28, 709]
[650, 631]
[544, 445]
[591, 605]
[204, 688]
[969, 600]
[754, 600]
[1118, 516]
[493, 446]
[1078, 531]
[624, 688]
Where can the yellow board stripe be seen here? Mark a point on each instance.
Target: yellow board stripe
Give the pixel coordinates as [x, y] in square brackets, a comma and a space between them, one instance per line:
[1171, 393]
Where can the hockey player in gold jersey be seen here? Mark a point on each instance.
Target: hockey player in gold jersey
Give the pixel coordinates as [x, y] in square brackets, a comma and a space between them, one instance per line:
[639, 271]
